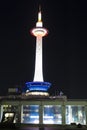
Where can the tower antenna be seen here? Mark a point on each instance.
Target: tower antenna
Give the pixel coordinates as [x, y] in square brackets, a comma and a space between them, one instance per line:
[39, 8]
[40, 15]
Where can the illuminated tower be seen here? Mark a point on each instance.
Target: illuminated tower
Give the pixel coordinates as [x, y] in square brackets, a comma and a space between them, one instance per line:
[38, 86]
[39, 32]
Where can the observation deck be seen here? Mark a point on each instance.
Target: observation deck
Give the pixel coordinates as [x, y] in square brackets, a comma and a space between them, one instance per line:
[38, 88]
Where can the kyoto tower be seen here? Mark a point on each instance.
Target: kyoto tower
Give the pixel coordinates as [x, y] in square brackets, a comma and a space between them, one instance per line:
[38, 86]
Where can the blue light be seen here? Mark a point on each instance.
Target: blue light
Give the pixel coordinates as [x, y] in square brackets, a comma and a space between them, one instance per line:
[31, 114]
[38, 86]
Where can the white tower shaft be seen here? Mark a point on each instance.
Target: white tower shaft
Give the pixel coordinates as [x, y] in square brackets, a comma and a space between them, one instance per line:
[38, 75]
[39, 32]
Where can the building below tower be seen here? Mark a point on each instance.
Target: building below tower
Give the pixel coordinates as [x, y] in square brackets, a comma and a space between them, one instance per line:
[55, 111]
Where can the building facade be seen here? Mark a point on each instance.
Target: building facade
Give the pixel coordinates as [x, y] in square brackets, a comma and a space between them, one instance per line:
[52, 110]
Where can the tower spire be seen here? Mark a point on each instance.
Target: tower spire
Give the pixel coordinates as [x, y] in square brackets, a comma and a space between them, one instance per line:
[39, 8]
[39, 16]
[39, 22]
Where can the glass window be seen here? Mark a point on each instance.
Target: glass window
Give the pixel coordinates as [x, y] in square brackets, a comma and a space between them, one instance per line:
[11, 108]
[30, 114]
[8, 117]
[75, 114]
[52, 114]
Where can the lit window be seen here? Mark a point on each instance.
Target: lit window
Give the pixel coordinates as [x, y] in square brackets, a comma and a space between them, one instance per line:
[52, 114]
[75, 114]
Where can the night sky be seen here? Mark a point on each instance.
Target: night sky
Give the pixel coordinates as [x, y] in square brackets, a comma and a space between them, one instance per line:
[64, 49]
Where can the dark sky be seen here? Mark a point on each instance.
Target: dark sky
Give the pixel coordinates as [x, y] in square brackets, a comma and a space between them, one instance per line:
[64, 49]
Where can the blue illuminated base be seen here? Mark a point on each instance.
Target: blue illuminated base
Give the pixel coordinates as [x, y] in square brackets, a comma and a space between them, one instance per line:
[38, 88]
